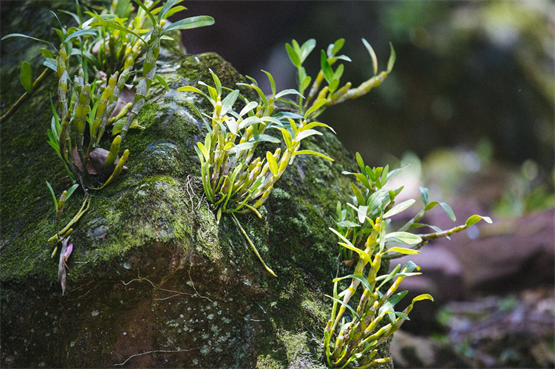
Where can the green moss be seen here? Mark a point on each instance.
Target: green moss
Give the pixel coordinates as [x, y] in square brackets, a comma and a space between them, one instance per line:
[150, 260]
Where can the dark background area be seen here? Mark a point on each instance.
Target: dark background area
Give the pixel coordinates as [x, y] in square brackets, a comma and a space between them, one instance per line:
[465, 71]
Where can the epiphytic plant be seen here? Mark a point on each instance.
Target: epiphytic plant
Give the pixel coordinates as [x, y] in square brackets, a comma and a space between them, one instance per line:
[234, 180]
[362, 229]
[106, 47]
[95, 62]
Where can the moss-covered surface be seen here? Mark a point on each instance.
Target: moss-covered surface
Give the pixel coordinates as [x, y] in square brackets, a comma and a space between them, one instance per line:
[153, 280]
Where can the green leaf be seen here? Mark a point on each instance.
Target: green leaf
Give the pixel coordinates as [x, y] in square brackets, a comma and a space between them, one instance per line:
[431, 205]
[110, 24]
[475, 219]
[307, 48]
[333, 85]
[53, 195]
[250, 106]
[399, 208]
[391, 61]
[318, 124]
[123, 8]
[337, 45]
[25, 36]
[310, 152]
[326, 68]
[394, 300]
[317, 105]
[362, 253]
[347, 224]
[80, 33]
[402, 250]
[448, 211]
[304, 84]
[306, 133]
[360, 162]
[241, 147]
[293, 55]
[266, 138]
[346, 305]
[70, 191]
[289, 91]
[167, 6]
[362, 210]
[228, 102]
[47, 53]
[424, 195]
[190, 23]
[424, 296]
[272, 82]
[363, 280]
[162, 81]
[372, 55]
[26, 77]
[272, 163]
[140, 3]
[403, 237]
[204, 151]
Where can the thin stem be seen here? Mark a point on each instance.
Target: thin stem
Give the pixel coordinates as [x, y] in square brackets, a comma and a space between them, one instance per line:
[26, 95]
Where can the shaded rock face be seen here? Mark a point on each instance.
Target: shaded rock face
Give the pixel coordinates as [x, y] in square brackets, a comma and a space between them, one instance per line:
[153, 280]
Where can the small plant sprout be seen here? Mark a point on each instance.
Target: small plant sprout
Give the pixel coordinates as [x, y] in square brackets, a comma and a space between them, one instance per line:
[361, 227]
[106, 49]
[59, 204]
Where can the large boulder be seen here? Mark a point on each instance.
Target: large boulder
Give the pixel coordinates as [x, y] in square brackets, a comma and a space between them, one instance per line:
[153, 280]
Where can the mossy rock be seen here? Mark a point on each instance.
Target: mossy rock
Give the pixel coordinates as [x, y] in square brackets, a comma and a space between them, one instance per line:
[153, 280]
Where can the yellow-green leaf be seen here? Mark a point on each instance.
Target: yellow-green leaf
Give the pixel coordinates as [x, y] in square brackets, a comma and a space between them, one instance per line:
[272, 163]
[310, 152]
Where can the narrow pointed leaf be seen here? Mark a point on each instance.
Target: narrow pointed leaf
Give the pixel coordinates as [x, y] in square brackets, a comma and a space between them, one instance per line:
[372, 55]
[310, 152]
[190, 23]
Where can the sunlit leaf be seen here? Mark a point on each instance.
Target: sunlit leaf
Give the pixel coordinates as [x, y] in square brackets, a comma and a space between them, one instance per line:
[310, 152]
[475, 219]
[402, 250]
[399, 208]
[317, 105]
[272, 163]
